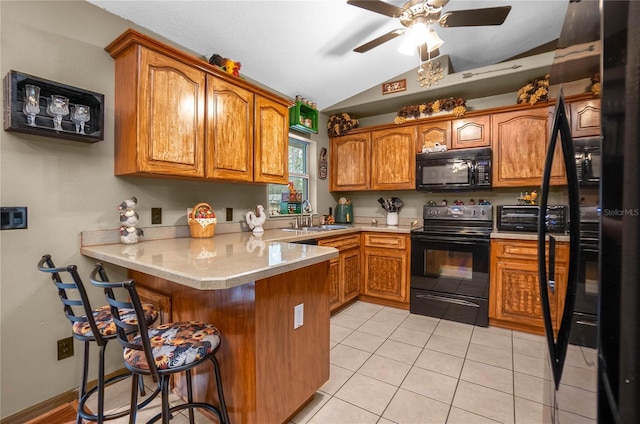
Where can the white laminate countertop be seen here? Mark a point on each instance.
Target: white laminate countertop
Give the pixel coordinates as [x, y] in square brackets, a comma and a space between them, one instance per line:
[225, 260]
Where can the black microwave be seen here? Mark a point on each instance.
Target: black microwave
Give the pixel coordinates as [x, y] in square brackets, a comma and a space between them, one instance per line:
[587, 151]
[454, 170]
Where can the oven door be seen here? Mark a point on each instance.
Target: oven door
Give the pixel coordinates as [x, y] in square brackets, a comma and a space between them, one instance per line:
[444, 174]
[584, 329]
[450, 278]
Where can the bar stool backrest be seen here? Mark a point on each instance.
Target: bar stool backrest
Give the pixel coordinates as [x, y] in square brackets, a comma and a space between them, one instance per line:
[72, 299]
[130, 335]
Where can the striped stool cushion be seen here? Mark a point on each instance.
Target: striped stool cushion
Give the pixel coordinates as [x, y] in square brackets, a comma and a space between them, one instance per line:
[175, 345]
[104, 320]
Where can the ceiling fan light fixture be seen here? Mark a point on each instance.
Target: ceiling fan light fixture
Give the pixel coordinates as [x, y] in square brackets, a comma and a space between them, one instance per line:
[433, 40]
[413, 37]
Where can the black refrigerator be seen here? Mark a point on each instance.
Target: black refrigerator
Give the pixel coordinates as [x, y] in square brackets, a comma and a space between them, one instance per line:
[618, 335]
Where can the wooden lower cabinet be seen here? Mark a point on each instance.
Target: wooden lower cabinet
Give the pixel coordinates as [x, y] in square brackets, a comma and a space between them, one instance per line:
[514, 295]
[344, 271]
[385, 259]
[160, 300]
[269, 369]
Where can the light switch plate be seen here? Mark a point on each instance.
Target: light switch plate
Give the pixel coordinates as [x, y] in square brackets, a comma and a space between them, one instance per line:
[14, 218]
[298, 316]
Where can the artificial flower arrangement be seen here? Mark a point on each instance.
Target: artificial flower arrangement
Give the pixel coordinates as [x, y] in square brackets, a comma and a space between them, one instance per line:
[535, 91]
[340, 123]
[455, 105]
[595, 84]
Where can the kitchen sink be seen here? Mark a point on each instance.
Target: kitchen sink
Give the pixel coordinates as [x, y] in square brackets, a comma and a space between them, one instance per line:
[327, 227]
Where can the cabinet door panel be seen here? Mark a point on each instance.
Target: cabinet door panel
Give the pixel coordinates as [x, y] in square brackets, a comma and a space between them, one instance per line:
[350, 161]
[271, 142]
[520, 141]
[229, 132]
[386, 272]
[471, 132]
[585, 118]
[393, 163]
[351, 287]
[432, 133]
[171, 142]
[334, 283]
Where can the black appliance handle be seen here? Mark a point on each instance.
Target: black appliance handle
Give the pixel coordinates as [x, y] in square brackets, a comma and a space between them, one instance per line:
[471, 169]
[558, 346]
[587, 323]
[448, 300]
[552, 264]
[453, 240]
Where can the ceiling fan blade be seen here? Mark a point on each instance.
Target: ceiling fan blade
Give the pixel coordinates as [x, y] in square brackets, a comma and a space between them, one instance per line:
[475, 17]
[377, 41]
[377, 6]
[425, 56]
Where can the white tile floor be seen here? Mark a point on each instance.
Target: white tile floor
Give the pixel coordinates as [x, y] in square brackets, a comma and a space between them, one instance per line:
[390, 366]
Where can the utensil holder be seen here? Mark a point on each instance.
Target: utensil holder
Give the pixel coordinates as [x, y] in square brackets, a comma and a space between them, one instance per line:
[392, 218]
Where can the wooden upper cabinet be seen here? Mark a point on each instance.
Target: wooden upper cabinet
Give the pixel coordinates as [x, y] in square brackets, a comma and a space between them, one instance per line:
[229, 131]
[161, 97]
[271, 128]
[432, 133]
[150, 140]
[471, 132]
[519, 144]
[585, 118]
[350, 162]
[393, 159]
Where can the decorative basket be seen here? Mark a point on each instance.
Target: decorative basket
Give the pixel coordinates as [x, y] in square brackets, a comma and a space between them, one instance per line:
[202, 221]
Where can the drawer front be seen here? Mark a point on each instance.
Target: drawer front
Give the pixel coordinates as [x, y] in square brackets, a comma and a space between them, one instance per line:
[341, 243]
[527, 250]
[385, 240]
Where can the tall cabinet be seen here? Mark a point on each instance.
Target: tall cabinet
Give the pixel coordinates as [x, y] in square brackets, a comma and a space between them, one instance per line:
[178, 116]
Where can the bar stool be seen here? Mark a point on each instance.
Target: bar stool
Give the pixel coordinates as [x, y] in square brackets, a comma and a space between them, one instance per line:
[162, 351]
[92, 326]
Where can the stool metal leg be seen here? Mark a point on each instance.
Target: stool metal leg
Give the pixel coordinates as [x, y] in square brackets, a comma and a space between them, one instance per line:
[190, 395]
[223, 404]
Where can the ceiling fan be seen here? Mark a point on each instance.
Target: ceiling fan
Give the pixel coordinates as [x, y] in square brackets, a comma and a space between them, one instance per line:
[417, 16]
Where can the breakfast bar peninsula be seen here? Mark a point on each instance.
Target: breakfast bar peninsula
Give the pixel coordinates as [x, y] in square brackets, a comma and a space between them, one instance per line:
[250, 288]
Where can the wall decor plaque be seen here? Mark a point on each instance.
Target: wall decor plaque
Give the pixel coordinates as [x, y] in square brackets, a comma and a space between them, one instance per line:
[42, 107]
[394, 86]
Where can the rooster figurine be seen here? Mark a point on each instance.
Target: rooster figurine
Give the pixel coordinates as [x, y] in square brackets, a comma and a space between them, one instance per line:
[255, 221]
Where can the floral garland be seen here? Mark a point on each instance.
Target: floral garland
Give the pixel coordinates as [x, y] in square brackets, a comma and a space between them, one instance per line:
[596, 86]
[341, 123]
[457, 106]
[535, 91]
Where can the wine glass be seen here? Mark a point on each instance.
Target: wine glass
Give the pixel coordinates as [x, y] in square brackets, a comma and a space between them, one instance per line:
[58, 107]
[80, 115]
[31, 103]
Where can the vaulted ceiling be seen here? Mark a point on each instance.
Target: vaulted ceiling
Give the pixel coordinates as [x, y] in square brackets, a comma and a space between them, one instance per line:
[306, 47]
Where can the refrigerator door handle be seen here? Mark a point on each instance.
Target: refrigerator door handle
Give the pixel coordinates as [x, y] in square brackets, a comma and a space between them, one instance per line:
[558, 342]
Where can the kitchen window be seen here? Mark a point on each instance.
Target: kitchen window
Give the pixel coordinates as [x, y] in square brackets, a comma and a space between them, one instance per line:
[299, 153]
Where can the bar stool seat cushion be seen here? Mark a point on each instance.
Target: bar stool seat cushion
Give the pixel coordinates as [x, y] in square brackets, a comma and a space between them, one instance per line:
[104, 320]
[175, 345]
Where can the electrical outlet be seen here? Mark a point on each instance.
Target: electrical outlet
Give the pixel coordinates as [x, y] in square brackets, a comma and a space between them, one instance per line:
[65, 348]
[298, 316]
[156, 215]
[229, 214]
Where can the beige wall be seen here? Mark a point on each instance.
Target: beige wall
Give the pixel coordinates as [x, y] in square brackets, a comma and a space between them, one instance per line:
[69, 187]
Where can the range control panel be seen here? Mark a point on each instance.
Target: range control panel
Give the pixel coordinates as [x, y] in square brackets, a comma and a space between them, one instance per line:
[14, 218]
